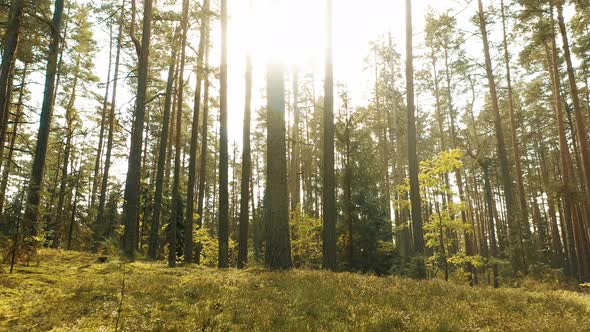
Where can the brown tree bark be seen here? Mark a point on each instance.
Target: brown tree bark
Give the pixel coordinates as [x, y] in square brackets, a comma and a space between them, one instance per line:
[192, 168]
[132, 183]
[34, 193]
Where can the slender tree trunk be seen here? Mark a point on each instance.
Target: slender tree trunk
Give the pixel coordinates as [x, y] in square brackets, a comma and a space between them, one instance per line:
[565, 160]
[15, 125]
[74, 207]
[132, 183]
[204, 147]
[192, 168]
[582, 137]
[246, 171]
[36, 180]
[153, 244]
[295, 178]
[9, 48]
[58, 227]
[110, 136]
[513, 128]
[519, 262]
[329, 179]
[490, 203]
[176, 198]
[223, 233]
[412, 153]
[105, 103]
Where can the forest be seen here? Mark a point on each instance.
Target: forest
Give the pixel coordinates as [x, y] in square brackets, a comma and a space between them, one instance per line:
[176, 165]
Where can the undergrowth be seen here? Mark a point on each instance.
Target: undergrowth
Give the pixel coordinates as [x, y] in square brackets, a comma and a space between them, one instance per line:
[72, 291]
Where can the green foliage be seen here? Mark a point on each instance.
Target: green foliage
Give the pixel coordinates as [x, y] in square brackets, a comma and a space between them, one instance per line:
[210, 247]
[306, 240]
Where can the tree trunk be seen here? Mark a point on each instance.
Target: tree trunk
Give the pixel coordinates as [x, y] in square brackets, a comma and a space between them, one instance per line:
[107, 162]
[15, 125]
[153, 244]
[38, 167]
[223, 234]
[329, 179]
[9, 48]
[515, 234]
[565, 161]
[278, 247]
[132, 183]
[513, 127]
[295, 179]
[192, 168]
[176, 199]
[246, 171]
[102, 122]
[204, 147]
[412, 153]
[582, 137]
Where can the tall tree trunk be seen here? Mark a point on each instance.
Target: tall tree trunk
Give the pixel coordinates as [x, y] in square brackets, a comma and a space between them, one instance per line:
[278, 247]
[518, 259]
[246, 171]
[513, 127]
[58, 227]
[36, 180]
[9, 48]
[295, 178]
[153, 244]
[103, 117]
[176, 198]
[582, 137]
[329, 179]
[13, 135]
[74, 206]
[565, 161]
[412, 153]
[490, 203]
[192, 168]
[223, 233]
[204, 147]
[110, 136]
[132, 183]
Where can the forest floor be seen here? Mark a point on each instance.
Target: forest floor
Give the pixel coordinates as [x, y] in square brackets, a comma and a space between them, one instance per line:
[71, 291]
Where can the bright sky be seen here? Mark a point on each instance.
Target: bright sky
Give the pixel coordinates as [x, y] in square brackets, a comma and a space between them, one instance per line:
[301, 24]
[297, 26]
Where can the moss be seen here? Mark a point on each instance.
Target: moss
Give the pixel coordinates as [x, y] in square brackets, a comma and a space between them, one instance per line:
[71, 291]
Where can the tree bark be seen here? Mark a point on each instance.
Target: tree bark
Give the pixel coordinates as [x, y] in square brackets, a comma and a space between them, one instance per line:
[329, 179]
[278, 246]
[153, 244]
[246, 171]
[132, 183]
[518, 258]
[36, 180]
[412, 153]
[192, 168]
[223, 259]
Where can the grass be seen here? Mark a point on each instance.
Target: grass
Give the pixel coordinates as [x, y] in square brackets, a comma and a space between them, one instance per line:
[71, 291]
